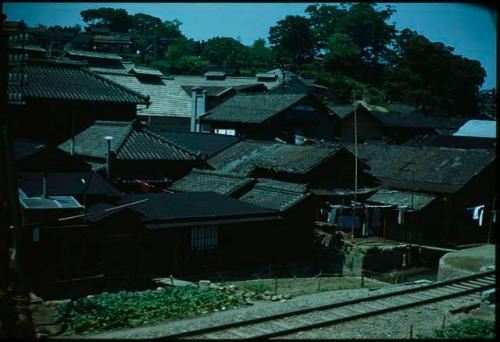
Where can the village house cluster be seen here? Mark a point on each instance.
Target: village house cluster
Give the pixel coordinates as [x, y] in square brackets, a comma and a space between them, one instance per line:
[124, 172]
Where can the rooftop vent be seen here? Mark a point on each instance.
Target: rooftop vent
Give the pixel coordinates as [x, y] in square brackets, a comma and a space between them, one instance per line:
[266, 77]
[215, 75]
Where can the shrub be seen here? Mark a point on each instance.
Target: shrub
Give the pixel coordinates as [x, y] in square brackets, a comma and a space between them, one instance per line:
[467, 329]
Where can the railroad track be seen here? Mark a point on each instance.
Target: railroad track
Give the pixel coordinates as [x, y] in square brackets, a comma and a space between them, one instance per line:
[330, 314]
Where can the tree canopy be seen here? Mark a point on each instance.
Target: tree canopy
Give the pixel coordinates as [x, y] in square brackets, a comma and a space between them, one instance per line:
[353, 49]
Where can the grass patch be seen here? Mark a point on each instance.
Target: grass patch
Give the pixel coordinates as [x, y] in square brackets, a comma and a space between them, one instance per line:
[467, 329]
[131, 309]
[300, 286]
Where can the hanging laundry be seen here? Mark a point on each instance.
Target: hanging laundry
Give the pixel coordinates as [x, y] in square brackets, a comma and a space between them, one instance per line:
[400, 215]
[476, 212]
[332, 215]
[481, 212]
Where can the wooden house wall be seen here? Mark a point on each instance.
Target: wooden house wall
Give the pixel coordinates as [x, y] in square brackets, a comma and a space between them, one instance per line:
[367, 127]
[168, 251]
[173, 170]
[52, 120]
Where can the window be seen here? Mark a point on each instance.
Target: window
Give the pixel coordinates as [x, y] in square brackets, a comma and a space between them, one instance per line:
[204, 238]
[225, 131]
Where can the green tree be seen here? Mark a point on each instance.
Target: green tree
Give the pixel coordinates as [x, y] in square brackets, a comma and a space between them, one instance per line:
[116, 20]
[292, 41]
[430, 74]
[225, 52]
[260, 57]
[342, 54]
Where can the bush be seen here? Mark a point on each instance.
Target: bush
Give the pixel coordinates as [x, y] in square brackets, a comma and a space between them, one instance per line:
[467, 329]
[128, 309]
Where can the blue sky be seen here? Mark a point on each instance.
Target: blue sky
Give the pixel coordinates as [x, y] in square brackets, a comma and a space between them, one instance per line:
[470, 29]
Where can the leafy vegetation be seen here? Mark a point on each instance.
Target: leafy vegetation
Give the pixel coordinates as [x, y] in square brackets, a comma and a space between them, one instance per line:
[467, 329]
[128, 309]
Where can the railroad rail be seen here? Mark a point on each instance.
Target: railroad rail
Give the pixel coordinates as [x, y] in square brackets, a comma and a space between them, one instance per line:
[330, 314]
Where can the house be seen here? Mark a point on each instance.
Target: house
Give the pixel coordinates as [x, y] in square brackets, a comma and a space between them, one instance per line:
[459, 178]
[266, 116]
[59, 99]
[322, 166]
[53, 42]
[86, 187]
[400, 125]
[95, 59]
[186, 232]
[127, 152]
[292, 201]
[102, 42]
[367, 126]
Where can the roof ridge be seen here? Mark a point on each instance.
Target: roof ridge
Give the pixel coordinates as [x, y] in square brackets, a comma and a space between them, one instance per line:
[220, 173]
[168, 141]
[122, 142]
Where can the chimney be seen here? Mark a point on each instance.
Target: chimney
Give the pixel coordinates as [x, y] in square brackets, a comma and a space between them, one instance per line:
[108, 157]
[72, 146]
[198, 107]
[44, 185]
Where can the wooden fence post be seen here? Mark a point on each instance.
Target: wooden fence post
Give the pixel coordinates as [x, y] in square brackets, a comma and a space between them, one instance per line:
[276, 285]
[319, 280]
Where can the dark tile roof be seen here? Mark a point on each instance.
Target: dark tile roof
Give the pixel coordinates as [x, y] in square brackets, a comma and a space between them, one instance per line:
[252, 108]
[206, 143]
[194, 208]
[276, 195]
[401, 198]
[454, 141]
[130, 141]
[214, 181]
[24, 148]
[436, 169]
[99, 211]
[247, 155]
[402, 108]
[66, 184]
[342, 111]
[416, 120]
[63, 81]
[93, 54]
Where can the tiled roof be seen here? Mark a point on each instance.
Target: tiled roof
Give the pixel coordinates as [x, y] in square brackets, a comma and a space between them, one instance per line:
[401, 198]
[214, 181]
[229, 81]
[436, 169]
[252, 108]
[246, 156]
[416, 120]
[167, 98]
[93, 54]
[206, 143]
[277, 195]
[130, 141]
[453, 141]
[66, 184]
[146, 71]
[59, 81]
[193, 206]
[24, 148]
